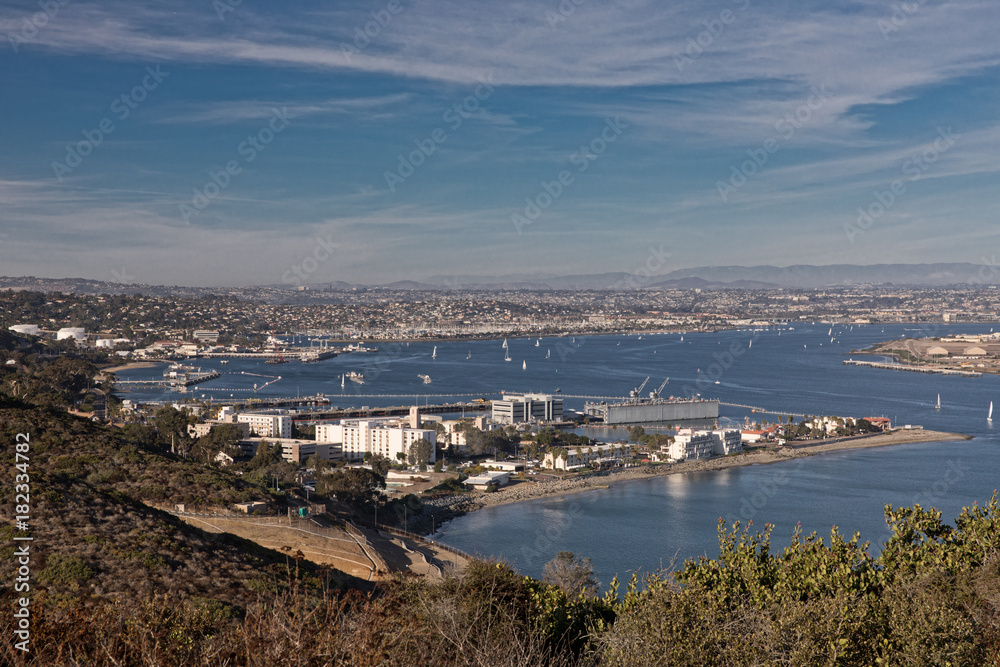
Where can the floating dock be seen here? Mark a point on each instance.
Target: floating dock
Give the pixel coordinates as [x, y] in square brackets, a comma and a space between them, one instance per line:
[658, 410]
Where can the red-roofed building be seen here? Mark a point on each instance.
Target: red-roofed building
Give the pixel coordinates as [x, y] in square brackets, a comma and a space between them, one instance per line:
[883, 423]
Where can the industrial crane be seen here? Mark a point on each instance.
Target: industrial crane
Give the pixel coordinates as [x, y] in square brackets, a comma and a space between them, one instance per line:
[637, 392]
[659, 390]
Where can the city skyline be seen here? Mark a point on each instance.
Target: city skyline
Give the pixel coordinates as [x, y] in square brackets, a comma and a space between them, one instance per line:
[222, 143]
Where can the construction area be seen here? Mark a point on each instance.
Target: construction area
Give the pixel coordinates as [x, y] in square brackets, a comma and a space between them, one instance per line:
[361, 552]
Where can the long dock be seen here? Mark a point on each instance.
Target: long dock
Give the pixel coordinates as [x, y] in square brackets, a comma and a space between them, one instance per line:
[391, 411]
[171, 383]
[912, 369]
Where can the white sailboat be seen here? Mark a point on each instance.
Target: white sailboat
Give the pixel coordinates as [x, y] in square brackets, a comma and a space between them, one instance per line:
[342, 378]
[548, 353]
[538, 342]
[469, 355]
[506, 357]
[524, 365]
[751, 344]
[989, 415]
[434, 354]
[938, 406]
[504, 344]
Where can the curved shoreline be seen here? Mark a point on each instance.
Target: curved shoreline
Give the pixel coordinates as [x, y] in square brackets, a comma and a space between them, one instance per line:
[450, 507]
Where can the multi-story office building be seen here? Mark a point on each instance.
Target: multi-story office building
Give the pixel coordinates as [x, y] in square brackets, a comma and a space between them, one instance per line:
[517, 408]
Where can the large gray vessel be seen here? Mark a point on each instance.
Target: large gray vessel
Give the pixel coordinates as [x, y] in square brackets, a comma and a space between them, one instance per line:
[638, 410]
[653, 410]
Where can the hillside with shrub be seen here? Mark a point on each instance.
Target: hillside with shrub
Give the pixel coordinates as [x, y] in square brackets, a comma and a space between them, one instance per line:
[118, 582]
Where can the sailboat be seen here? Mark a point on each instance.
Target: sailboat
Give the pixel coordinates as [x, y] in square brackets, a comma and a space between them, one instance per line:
[506, 357]
[751, 344]
[342, 378]
[504, 344]
[989, 415]
[538, 342]
[469, 355]
[938, 406]
[548, 353]
[434, 354]
[524, 365]
[682, 338]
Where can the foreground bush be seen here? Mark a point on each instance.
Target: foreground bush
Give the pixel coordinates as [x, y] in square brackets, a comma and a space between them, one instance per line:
[932, 597]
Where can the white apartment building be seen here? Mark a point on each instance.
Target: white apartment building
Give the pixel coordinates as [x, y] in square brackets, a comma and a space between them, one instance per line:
[267, 424]
[517, 408]
[689, 445]
[586, 456]
[387, 437]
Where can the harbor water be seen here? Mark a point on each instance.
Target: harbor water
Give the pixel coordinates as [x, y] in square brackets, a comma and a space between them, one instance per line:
[644, 525]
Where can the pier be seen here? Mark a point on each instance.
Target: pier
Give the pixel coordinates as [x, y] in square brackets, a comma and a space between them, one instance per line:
[181, 382]
[912, 369]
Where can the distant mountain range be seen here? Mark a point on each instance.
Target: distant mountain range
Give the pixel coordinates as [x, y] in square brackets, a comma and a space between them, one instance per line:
[705, 277]
[741, 277]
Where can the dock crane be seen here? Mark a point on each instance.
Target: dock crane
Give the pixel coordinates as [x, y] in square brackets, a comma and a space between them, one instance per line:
[656, 394]
[637, 392]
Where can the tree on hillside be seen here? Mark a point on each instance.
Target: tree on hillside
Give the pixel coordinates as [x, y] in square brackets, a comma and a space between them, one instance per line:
[358, 487]
[573, 574]
[220, 438]
[171, 425]
[420, 453]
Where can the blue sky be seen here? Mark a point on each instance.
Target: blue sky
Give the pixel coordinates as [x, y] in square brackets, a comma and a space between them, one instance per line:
[724, 132]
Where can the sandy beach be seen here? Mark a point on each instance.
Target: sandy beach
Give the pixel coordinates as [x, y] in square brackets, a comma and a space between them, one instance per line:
[452, 506]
